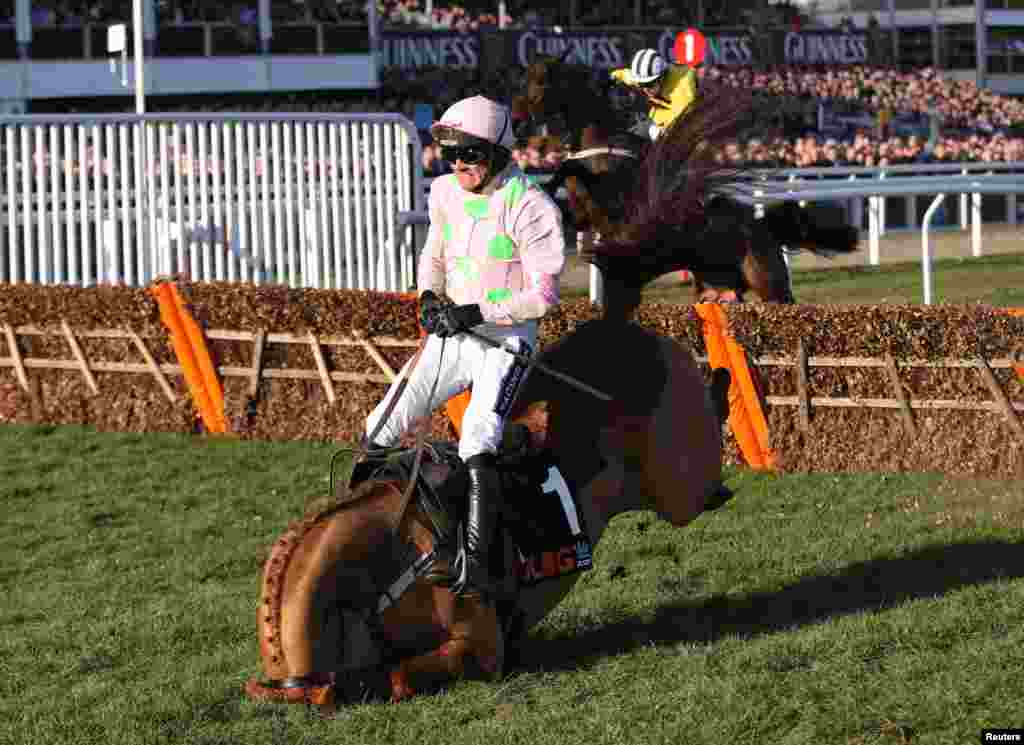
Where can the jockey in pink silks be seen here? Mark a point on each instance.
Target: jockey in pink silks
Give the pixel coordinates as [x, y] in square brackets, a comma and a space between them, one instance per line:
[495, 247]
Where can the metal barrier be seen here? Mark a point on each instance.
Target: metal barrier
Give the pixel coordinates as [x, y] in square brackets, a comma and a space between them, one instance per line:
[970, 206]
[305, 200]
[759, 193]
[877, 184]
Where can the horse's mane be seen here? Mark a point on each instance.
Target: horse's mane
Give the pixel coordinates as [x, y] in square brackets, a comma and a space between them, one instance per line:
[580, 94]
[676, 177]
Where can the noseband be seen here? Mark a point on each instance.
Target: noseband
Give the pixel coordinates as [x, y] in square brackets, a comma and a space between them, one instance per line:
[592, 151]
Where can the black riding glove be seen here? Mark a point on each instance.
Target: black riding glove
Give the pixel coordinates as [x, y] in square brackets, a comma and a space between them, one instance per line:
[430, 311]
[454, 319]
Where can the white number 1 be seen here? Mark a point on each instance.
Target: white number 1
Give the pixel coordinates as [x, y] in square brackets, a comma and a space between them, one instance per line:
[556, 483]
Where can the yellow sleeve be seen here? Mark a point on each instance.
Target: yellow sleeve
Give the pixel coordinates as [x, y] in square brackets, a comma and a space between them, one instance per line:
[679, 92]
[622, 75]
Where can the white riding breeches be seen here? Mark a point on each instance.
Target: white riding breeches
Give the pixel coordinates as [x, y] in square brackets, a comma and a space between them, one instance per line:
[495, 375]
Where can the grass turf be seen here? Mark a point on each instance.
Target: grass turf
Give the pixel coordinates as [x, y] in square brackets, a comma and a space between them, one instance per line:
[845, 609]
[993, 280]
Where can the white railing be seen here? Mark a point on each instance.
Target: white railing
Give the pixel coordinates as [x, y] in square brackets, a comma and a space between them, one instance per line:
[761, 192]
[970, 206]
[306, 200]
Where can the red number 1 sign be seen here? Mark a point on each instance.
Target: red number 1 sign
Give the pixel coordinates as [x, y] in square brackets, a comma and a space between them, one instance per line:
[690, 47]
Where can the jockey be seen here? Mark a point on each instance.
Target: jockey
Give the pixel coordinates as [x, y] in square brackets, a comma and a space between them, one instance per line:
[670, 89]
[495, 247]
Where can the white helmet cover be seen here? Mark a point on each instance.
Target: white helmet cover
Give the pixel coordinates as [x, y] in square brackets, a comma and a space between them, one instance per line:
[647, 66]
[478, 117]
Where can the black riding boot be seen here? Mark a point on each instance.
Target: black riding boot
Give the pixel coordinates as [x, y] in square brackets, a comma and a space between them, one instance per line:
[472, 565]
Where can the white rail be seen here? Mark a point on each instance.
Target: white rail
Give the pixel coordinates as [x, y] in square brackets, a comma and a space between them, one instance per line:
[839, 184]
[758, 193]
[307, 200]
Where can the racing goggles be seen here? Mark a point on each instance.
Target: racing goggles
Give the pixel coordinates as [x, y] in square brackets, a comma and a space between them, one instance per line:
[471, 155]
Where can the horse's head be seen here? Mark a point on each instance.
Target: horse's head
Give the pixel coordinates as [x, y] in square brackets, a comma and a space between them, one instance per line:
[543, 71]
[563, 99]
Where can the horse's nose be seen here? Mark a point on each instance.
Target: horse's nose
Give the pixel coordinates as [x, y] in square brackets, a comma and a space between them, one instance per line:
[723, 297]
[728, 296]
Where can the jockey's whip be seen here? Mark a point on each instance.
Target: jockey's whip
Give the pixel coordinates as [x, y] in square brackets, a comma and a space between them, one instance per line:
[531, 362]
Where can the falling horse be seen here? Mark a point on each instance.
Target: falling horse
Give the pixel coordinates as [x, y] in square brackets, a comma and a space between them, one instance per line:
[734, 250]
[345, 612]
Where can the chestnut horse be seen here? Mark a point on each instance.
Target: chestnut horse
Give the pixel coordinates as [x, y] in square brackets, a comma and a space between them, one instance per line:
[734, 250]
[344, 611]
[325, 635]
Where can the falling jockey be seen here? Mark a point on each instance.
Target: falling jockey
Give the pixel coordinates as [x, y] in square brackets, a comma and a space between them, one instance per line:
[669, 88]
[495, 247]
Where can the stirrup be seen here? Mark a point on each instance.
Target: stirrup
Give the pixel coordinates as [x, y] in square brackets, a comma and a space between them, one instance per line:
[472, 579]
[439, 572]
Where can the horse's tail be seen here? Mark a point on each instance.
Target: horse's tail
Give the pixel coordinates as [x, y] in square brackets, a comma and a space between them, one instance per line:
[819, 228]
[675, 179]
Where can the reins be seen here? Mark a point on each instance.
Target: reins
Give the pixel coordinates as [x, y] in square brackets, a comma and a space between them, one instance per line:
[389, 453]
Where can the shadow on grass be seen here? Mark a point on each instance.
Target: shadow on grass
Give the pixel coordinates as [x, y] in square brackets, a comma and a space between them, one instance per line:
[876, 585]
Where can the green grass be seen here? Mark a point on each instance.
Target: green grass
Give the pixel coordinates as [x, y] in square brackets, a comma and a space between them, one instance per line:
[993, 280]
[811, 609]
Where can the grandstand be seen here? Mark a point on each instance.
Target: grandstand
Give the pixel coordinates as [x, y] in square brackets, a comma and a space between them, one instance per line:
[314, 55]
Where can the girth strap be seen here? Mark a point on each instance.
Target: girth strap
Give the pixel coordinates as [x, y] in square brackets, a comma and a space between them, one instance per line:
[391, 595]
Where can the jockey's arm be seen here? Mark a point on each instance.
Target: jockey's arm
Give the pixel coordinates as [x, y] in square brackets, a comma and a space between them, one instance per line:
[677, 93]
[430, 270]
[624, 77]
[537, 231]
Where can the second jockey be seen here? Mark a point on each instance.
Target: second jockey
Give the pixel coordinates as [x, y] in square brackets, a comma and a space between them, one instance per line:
[495, 247]
[670, 89]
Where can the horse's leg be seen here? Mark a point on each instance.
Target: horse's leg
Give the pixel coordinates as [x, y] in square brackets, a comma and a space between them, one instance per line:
[475, 648]
[682, 460]
[698, 288]
[765, 270]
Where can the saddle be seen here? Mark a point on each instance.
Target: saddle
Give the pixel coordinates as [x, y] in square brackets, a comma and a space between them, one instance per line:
[539, 512]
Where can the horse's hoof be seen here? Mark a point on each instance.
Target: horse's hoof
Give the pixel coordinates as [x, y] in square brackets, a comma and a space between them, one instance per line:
[400, 688]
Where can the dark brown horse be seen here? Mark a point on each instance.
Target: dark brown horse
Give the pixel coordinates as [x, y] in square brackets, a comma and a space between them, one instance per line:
[734, 250]
[344, 611]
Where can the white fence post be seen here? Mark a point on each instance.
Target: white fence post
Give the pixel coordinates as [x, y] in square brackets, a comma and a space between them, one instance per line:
[964, 215]
[926, 251]
[976, 224]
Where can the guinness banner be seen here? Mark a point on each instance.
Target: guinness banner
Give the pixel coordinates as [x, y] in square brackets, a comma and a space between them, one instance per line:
[408, 51]
[607, 49]
[612, 48]
[824, 49]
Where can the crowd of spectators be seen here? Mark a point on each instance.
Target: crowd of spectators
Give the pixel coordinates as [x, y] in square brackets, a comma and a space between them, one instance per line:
[974, 140]
[865, 150]
[463, 15]
[467, 15]
[960, 103]
[973, 125]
